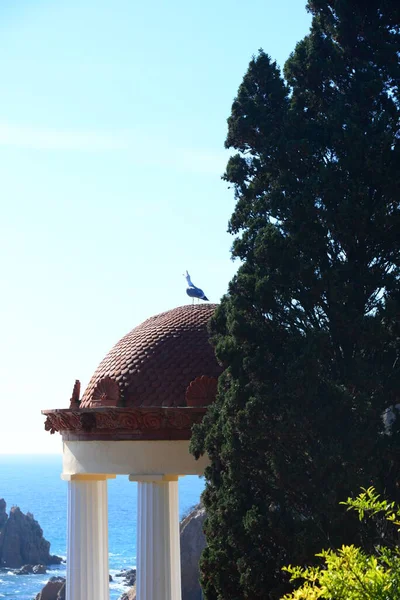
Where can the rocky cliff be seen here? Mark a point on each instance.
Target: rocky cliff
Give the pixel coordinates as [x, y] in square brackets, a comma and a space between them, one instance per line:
[21, 540]
[193, 542]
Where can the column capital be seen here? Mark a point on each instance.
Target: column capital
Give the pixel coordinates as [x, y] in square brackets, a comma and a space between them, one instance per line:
[155, 478]
[86, 476]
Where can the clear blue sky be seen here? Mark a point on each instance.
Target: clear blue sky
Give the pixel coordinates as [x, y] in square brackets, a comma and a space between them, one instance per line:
[112, 125]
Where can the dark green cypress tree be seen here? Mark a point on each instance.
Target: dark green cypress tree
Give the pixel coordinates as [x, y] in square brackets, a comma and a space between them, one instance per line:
[309, 332]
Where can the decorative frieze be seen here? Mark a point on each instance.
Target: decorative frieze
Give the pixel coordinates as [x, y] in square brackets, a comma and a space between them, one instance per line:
[124, 423]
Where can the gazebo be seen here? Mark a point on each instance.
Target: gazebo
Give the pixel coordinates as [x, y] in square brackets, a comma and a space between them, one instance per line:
[135, 419]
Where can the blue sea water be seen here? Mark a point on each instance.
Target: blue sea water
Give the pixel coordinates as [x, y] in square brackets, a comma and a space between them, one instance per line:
[33, 483]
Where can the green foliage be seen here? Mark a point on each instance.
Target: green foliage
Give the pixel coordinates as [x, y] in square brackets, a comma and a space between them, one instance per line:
[367, 502]
[349, 573]
[309, 332]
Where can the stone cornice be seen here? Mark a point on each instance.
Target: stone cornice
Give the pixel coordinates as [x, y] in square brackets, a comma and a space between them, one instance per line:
[141, 423]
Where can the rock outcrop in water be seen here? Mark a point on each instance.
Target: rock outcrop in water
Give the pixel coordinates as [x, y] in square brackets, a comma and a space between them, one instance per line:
[31, 570]
[53, 590]
[128, 575]
[22, 541]
[130, 594]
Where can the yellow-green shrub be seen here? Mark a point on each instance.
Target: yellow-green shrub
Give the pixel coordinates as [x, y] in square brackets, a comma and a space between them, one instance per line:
[349, 573]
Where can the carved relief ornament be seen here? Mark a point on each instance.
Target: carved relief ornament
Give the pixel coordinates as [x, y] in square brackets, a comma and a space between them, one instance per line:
[106, 393]
[201, 391]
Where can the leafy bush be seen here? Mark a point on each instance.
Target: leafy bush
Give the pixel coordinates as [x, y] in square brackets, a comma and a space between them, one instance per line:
[349, 573]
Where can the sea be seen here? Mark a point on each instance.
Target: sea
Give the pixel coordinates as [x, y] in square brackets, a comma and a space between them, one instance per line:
[33, 483]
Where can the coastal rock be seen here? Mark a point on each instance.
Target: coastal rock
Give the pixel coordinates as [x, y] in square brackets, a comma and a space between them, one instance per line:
[53, 590]
[22, 541]
[62, 593]
[24, 570]
[130, 594]
[39, 570]
[3, 514]
[193, 542]
[129, 576]
[29, 569]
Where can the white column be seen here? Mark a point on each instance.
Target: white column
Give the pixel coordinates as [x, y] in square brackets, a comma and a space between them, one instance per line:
[158, 574]
[87, 551]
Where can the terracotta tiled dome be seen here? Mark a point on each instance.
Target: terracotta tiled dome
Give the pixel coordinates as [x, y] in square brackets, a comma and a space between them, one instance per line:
[154, 364]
